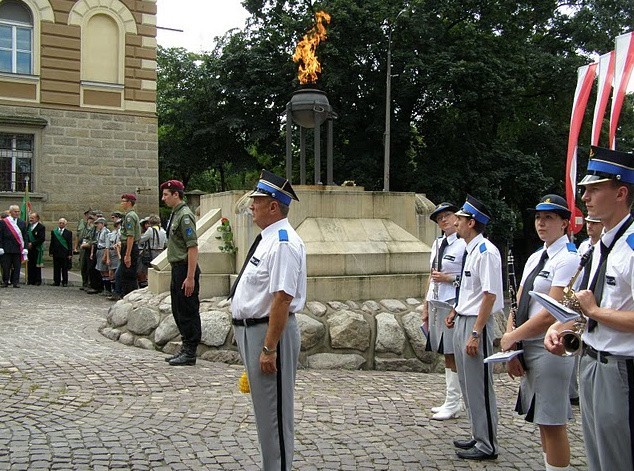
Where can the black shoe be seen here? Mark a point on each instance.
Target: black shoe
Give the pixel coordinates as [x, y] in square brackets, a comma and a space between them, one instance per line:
[465, 444]
[92, 291]
[65, 285]
[82, 288]
[184, 359]
[475, 454]
[114, 297]
[16, 286]
[171, 357]
[574, 401]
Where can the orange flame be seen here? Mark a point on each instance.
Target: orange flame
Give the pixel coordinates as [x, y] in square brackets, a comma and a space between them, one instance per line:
[309, 66]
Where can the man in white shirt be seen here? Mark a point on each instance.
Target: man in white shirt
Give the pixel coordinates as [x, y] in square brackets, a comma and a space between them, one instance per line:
[479, 295]
[270, 288]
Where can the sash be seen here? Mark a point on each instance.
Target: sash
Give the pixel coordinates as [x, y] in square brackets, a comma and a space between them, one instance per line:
[39, 250]
[17, 234]
[59, 237]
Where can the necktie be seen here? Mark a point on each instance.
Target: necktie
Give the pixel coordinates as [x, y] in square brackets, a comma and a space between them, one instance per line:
[244, 265]
[464, 261]
[522, 309]
[597, 283]
[441, 253]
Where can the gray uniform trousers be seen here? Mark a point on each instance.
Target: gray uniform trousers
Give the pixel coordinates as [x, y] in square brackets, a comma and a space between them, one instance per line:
[607, 406]
[272, 395]
[476, 382]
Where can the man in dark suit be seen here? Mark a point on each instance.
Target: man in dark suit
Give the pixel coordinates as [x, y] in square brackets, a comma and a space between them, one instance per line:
[36, 233]
[61, 249]
[12, 246]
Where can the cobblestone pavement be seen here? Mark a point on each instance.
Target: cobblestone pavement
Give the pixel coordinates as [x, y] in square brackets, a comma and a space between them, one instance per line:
[71, 399]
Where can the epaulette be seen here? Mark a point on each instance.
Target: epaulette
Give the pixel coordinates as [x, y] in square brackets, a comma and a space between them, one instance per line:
[483, 247]
[630, 241]
[571, 247]
[283, 235]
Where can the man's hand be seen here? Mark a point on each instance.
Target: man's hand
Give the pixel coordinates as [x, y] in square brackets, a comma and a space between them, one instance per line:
[127, 260]
[514, 368]
[268, 363]
[552, 342]
[507, 342]
[472, 346]
[587, 301]
[449, 320]
[188, 286]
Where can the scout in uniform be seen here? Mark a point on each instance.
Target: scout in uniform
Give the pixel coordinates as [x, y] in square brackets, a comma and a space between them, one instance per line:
[479, 296]
[446, 263]
[547, 271]
[606, 370]
[130, 235]
[182, 254]
[270, 288]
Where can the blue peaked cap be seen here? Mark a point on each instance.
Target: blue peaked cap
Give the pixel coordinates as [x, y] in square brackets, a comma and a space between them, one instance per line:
[276, 187]
[607, 164]
[472, 208]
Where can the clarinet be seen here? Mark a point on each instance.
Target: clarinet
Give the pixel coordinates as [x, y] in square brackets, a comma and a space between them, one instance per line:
[435, 267]
[512, 283]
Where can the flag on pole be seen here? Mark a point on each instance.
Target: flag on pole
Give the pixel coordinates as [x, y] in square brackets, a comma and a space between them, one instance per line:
[26, 208]
[585, 79]
[623, 65]
[605, 72]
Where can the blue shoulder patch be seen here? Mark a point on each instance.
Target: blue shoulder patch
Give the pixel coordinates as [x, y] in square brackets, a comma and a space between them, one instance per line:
[572, 247]
[283, 235]
[483, 247]
[630, 241]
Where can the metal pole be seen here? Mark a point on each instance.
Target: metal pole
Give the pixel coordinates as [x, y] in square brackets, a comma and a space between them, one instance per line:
[302, 156]
[317, 136]
[329, 176]
[388, 92]
[289, 131]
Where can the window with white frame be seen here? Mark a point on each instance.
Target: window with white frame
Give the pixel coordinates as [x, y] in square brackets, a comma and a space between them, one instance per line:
[16, 161]
[16, 38]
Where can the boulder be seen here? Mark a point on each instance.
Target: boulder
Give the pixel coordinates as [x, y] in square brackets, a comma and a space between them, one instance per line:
[126, 338]
[349, 329]
[371, 306]
[142, 342]
[393, 305]
[390, 337]
[316, 308]
[400, 364]
[119, 312]
[215, 327]
[222, 356]
[166, 331]
[312, 331]
[143, 320]
[335, 361]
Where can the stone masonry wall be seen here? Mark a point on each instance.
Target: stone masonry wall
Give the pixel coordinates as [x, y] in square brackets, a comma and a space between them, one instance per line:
[371, 335]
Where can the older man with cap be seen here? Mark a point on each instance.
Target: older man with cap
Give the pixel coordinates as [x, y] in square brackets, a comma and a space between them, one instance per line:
[446, 262]
[477, 298]
[182, 254]
[606, 370]
[270, 288]
[130, 235]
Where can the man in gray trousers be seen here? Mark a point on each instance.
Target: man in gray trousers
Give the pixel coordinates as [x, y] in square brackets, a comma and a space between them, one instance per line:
[270, 288]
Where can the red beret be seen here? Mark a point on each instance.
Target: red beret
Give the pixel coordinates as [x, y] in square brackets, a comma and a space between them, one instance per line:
[129, 196]
[173, 185]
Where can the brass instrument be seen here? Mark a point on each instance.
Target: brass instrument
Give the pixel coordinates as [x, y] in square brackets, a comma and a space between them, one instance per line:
[571, 338]
[512, 284]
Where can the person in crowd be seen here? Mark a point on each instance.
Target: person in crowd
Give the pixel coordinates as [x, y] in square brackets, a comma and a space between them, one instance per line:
[36, 235]
[605, 295]
[85, 238]
[269, 290]
[547, 271]
[13, 238]
[61, 250]
[113, 255]
[479, 296]
[98, 254]
[130, 235]
[446, 263]
[182, 254]
[151, 244]
[144, 253]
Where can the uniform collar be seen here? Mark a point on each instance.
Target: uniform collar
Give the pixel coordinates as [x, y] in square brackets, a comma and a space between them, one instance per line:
[178, 207]
[474, 242]
[274, 227]
[608, 236]
[452, 238]
[556, 246]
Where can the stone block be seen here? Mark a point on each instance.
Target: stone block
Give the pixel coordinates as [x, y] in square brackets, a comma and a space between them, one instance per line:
[400, 364]
[166, 331]
[349, 330]
[311, 330]
[222, 356]
[143, 320]
[119, 312]
[144, 343]
[333, 361]
[390, 337]
[215, 328]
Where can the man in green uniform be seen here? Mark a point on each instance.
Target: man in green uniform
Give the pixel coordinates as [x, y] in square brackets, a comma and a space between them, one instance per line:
[182, 254]
[130, 234]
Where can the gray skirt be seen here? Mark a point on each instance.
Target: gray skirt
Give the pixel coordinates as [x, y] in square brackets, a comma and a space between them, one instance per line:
[114, 260]
[543, 395]
[101, 266]
[440, 336]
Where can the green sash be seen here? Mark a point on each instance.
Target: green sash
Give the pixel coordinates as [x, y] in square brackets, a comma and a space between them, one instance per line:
[61, 239]
[39, 262]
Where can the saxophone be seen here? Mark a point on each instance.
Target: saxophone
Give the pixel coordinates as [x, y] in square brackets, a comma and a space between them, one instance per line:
[571, 338]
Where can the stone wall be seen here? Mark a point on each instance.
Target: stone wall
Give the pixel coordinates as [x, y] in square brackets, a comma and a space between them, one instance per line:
[371, 335]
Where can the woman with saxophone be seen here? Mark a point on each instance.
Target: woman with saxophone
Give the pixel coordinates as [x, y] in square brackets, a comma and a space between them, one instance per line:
[446, 262]
[544, 377]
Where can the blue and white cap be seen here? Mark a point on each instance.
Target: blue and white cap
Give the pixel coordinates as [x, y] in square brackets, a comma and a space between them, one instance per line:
[276, 187]
[442, 207]
[554, 204]
[472, 208]
[606, 164]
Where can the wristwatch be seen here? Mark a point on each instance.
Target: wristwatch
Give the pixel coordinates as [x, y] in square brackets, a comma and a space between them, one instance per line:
[475, 334]
[456, 281]
[267, 351]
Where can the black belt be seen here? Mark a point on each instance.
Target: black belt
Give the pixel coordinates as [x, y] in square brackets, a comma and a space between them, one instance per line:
[597, 354]
[100, 248]
[254, 321]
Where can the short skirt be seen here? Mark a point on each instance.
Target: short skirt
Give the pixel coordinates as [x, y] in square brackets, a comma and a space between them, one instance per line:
[101, 266]
[440, 336]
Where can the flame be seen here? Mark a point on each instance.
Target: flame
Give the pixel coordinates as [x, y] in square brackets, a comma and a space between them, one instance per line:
[309, 66]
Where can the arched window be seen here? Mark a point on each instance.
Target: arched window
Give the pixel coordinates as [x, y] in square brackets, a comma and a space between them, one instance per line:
[101, 49]
[16, 38]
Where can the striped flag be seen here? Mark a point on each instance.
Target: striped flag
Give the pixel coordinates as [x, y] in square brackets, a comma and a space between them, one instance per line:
[624, 63]
[604, 88]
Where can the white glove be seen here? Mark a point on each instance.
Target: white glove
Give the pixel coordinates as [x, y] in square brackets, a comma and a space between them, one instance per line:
[1, 251]
[25, 252]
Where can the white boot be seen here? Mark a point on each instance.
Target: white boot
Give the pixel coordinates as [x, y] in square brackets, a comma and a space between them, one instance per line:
[453, 405]
[447, 381]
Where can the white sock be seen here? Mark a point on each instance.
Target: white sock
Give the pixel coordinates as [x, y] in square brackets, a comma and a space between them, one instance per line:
[545, 459]
[550, 467]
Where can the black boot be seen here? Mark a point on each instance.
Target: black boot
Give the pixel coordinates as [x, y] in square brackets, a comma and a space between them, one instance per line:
[171, 357]
[185, 358]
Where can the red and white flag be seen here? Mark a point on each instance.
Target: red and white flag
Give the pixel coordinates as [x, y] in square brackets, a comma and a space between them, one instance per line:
[585, 79]
[623, 65]
[605, 71]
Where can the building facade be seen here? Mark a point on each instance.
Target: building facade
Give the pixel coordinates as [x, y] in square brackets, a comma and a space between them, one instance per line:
[78, 105]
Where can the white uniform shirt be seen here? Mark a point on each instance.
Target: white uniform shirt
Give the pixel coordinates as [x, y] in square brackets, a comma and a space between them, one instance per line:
[278, 264]
[451, 264]
[482, 273]
[618, 292]
[562, 263]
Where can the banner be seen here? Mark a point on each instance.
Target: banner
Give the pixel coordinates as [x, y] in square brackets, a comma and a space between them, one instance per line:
[623, 64]
[605, 72]
[585, 79]
[25, 207]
